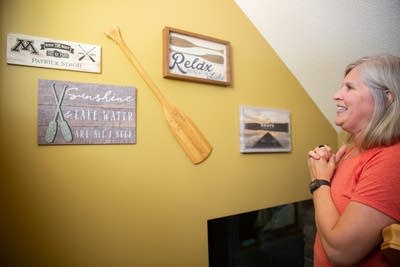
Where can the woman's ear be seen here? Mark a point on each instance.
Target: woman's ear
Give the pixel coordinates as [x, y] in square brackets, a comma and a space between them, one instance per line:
[389, 97]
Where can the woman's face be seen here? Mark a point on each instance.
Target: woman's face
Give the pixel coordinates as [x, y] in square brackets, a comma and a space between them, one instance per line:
[354, 103]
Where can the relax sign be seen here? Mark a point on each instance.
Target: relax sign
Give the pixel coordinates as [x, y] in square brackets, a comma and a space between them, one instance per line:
[83, 113]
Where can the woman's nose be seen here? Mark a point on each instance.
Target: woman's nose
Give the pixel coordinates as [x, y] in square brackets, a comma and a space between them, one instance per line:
[338, 94]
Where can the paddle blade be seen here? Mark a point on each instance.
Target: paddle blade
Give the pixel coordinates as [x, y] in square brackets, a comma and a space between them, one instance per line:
[51, 132]
[187, 134]
[66, 131]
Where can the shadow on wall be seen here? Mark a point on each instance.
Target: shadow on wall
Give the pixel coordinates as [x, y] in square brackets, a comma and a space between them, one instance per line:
[279, 236]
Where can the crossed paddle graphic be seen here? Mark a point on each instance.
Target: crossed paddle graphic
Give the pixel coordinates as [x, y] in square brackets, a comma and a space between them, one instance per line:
[87, 53]
[51, 131]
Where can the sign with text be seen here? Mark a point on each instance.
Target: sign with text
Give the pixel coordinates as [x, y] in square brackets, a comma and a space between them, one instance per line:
[47, 53]
[84, 113]
[195, 57]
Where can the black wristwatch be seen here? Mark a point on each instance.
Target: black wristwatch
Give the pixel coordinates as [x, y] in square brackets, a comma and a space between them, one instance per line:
[314, 185]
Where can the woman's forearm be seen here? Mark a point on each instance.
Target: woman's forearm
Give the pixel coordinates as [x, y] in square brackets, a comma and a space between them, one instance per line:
[326, 218]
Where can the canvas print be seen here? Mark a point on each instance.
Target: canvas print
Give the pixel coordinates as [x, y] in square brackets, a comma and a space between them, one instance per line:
[264, 130]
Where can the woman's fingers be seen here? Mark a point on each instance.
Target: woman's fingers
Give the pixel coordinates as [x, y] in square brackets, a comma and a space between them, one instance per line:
[313, 154]
[322, 151]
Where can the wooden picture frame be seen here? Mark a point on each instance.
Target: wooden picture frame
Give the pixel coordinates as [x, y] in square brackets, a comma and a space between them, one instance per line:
[195, 57]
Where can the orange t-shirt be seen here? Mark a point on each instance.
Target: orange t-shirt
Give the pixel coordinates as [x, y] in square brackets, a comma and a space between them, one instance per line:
[373, 179]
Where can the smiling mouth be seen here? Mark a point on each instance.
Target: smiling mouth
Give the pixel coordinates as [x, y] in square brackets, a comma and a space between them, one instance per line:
[341, 109]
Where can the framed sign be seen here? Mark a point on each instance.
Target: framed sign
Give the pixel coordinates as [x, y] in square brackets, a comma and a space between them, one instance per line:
[195, 57]
[264, 130]
[85, 113]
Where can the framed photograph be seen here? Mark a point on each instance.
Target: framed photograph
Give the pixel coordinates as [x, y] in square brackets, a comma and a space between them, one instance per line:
[195, 57]
[264, 130]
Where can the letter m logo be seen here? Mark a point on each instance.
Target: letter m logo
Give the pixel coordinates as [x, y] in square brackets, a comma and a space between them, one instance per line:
[26, 45]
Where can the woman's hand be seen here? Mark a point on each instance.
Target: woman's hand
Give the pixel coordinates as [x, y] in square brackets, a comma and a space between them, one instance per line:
[322, 162]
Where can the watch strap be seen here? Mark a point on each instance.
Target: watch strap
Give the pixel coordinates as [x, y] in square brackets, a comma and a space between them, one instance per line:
[317, 183]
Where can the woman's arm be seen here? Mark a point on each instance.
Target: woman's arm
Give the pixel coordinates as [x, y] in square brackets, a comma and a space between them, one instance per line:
[347, 238]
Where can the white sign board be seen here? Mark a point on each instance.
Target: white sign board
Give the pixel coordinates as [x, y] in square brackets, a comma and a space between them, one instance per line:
[47, 53]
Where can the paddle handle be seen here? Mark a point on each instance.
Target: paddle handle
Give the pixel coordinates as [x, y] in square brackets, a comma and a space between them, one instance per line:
[115, 35]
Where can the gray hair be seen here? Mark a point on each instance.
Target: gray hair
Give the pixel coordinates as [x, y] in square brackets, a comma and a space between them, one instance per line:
[381, 74]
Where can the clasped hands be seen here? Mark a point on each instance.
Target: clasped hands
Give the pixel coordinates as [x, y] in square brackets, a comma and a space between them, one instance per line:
[322, 161]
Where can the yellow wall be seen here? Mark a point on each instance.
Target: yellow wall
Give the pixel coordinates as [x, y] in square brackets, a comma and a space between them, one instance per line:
[143, 204]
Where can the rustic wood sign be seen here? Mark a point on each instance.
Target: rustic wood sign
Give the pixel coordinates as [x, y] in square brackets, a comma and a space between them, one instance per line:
[83, 113]
[47, 53]
[196, 57]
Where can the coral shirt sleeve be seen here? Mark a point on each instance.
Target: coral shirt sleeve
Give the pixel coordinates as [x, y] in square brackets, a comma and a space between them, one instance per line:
[379, 182]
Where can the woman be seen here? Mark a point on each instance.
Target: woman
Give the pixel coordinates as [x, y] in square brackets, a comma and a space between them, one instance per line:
[356, 191]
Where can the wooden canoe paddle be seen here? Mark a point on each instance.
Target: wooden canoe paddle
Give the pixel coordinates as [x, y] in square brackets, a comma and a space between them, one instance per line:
[185, 43]
[52, 127]
[187, 134]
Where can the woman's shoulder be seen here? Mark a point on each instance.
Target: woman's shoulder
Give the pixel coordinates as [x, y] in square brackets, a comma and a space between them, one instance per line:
[395, 148]
[391, 152]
